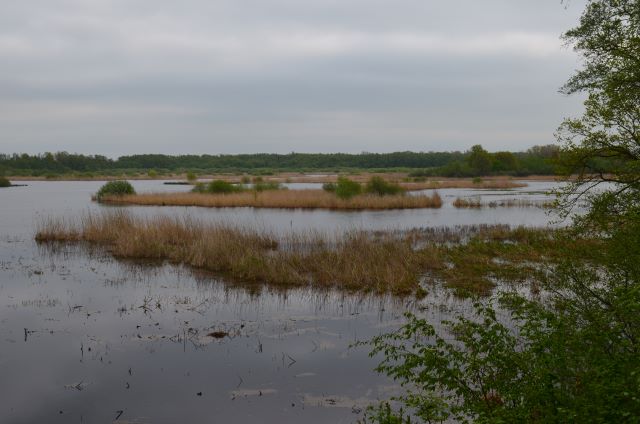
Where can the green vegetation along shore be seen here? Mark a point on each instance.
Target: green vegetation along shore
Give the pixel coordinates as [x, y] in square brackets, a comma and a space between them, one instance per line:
[538, 160]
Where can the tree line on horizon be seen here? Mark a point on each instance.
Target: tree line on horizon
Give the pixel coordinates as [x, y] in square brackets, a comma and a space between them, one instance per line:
[475, 162]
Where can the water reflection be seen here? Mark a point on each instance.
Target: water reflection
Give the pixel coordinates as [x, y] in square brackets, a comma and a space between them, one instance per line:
[87, 339]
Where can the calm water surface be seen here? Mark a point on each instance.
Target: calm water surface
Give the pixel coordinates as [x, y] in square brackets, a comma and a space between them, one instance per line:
[86, 339]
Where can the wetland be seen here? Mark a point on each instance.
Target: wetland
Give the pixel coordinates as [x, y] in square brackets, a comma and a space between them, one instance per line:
[121, 313]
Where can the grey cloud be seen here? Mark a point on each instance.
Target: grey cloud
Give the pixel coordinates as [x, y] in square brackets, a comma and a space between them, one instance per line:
[122, 76]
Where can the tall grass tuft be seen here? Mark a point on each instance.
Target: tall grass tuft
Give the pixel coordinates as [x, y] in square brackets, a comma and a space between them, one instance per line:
[4, 182]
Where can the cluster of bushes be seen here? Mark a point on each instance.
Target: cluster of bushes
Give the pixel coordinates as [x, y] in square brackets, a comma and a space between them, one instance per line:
[4, 182]
[479, 162]
[225, 187]
[346, 188]
[115, 188]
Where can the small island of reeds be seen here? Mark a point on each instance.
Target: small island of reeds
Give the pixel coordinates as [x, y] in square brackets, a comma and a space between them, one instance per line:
[346, 194]
[469, 259]
[285, 199]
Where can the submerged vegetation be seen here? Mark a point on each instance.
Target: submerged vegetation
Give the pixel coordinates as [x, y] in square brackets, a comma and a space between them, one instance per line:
[113, 189]
[286, 199]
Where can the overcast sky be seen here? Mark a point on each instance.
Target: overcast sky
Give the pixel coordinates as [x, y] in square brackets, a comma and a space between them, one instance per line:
[119, 77]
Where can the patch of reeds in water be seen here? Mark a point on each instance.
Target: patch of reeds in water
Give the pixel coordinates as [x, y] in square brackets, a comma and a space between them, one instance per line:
[286, 199]
[496, 184]
[476, 203]
[468, 259]
[354, 261]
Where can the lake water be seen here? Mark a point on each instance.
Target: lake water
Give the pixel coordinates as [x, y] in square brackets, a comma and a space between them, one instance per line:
[86, 339]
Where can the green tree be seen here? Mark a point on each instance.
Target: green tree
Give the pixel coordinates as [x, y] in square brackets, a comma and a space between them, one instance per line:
[604, 144]
[571, 355]
[480, 160]
[504, 162]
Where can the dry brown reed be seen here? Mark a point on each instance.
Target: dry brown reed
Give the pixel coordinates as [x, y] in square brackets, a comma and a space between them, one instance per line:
[288, 199]
[467, 203]
[468, 259]
[354, 261]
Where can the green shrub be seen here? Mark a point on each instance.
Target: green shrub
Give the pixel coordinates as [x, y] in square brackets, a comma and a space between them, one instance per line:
[380, 187]
[191, 176]
[477, 180]
[4, 182]
[199, 188]
[264, 186]
[115, 188]
[152, 173]
[330, 187]
[217, 187]
[220, 186]
[346, 188]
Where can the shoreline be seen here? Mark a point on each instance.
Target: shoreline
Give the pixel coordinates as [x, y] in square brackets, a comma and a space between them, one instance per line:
[283, 177]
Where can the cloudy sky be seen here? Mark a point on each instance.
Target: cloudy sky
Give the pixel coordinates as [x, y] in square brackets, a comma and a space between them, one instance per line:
[118, 77]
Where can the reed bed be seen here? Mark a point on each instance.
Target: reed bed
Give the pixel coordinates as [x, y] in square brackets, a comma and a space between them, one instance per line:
[353, 261]
[286, 199]
[467, 203]
[467, 259]
[508, 203]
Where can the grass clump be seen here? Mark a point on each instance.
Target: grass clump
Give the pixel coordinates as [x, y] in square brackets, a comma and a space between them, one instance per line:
[116, 188]
[4, 182]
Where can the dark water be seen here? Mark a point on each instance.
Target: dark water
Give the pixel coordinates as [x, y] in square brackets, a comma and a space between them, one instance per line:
[86, 339]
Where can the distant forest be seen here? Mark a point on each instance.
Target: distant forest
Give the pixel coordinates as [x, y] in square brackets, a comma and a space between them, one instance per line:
[475, 162]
